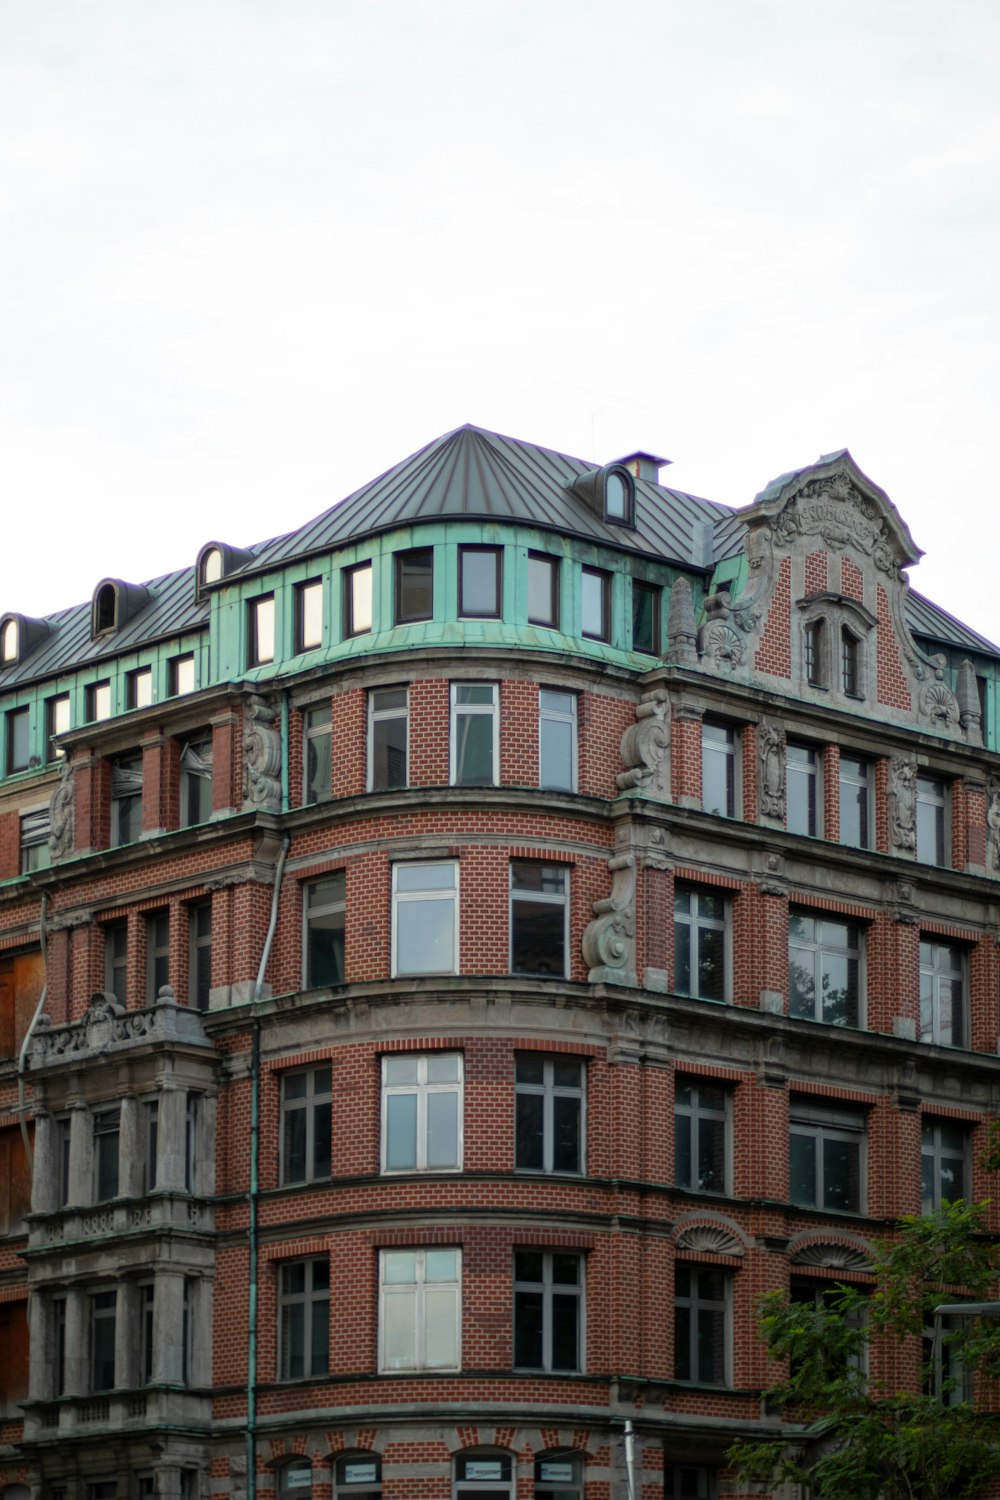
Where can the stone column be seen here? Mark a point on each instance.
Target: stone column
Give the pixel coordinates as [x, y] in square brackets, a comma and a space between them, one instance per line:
[168, 1323]
[81, 1157]
[77, 1343]
[45, 1175]
[41, 1371]
[130, 1148]
[170, 1132]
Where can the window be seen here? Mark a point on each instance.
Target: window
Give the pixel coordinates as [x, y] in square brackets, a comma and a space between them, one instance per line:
[548, 1113]
[701, 1136]
[480, 595]
[107, 1132]
[324, 907]
[943, 994]
[422, 1112]
[474, 747]
[559, 1477]
[850, 652]
[543, 590]
[126, 800]
[855, 802]
[944, 1163]
[388, 726]
[56, 722]
[823, 969]
[700, 928]
[116, 960]
[481, 1476]
[548, 1310]
[196, 781]
[98, 697]
[932, 821]
[260, 631]
[105, 609]
[8, 641]
[309, 615]
[306, 1104]
[317, 727]
[414, 585]
[683, 1482]
[357, 1476]
[826, 1156]
[358, 599]
[200, 954]
[718, 768]
[595, 603]
[147, 1296]
[295, 1479]
[801, 788]
[946, 1374]
[180, 674]
[211, 565]
[701, 1325]
[103, 1311]
[157, 954]
[425, 918]
[304, 1319]
[139, 688]
[645, 618]
[420, 1310]
[827, 1302]
[18, 740]
[539, 914]
[35, 853]
[556, 740]
[619, 496]
[150, 1139]
[814, 653]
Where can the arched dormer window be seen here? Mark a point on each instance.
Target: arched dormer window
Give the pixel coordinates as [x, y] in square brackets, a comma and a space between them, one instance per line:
[19, 636]
[105, 616]
[211, 565]
[850, 655]
[114, 604]
[10, 635]
[216, 561]
[609, 493]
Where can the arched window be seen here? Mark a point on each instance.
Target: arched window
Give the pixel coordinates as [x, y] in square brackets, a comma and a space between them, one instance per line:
[9, 642]
[295, 1480]
[105, 615]
[357, 1476]
[559, 1476]
[483, 1476]
[619, 496]
[211, 565]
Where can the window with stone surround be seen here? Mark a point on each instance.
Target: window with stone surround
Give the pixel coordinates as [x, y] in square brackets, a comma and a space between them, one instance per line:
[824, 969]
[827, 1156]
[702, 1325]
[944, 993]
[944, 1163]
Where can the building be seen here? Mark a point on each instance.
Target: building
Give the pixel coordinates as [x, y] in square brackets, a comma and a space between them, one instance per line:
[455, 956]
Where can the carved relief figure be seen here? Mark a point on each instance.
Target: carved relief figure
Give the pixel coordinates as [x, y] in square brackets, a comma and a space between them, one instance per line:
[62, 813]
[903, 802]
[772, 770]
[993, 824]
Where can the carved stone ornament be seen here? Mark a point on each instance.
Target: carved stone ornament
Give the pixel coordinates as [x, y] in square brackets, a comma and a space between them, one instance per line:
[682, 633]
[709, 1239]
[771, 754]
[939, 704]
[261, 755]
[833, 1257]
[721, 642]
[835, 509]
[609, 941]
[62, 813]
[903, 802]
[644, 747]
[993, 824]
[969, 710]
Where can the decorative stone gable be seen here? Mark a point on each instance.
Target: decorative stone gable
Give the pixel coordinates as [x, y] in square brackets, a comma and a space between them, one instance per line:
[824, 609]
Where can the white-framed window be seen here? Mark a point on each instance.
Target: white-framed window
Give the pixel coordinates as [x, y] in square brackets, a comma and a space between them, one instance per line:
[719, 767]
[126, 799]
[484, 1476]
[420, 1309]
[422, 1112]
[944, 993]
[595, 604]
[35, 852]
[557, 740]
[826, 1156]
[932, 820]
[702, 1325]
[425, 918]
[308, 615]
[260, 631]
[802, 789]
[944, 1163]
[543, 590]
[388, 738]
[548, 1310]
[701, 941]
[824, 969]
[539, 918]
[480, 583]
[9, 641]
[814, 651]
[317, 759]
[855, 802]
[303, 1318]
[357, 1476]
[196, 780]
[324, 907]
[306, 1124]
[475, 734]
[549, 1113]
[702, 1135]
[103, 1321]
[357, 585]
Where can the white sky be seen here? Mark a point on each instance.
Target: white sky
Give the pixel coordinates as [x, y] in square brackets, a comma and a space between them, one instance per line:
[253, 252]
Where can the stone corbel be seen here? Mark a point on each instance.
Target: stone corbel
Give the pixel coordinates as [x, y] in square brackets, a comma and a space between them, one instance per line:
[903, 803]
[62, 813]
[609, 941]
[261, 755]
[645, 746]
[771, 759]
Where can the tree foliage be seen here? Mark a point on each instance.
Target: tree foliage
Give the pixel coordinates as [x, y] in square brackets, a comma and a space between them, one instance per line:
[851, 1436]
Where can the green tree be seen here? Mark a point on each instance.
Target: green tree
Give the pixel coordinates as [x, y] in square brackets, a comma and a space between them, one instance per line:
[850, 1436]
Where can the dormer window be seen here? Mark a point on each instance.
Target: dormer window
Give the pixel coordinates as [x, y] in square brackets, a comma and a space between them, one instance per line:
[849, 653]
[836, 642]
[216, 561]
[9, 641]
[619, 497]
[105, 608]
[814, 652]
[211, 565]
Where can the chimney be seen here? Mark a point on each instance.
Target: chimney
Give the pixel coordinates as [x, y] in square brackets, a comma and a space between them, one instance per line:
[644, 465]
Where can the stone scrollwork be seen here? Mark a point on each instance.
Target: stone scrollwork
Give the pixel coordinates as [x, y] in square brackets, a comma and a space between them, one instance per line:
[262, 755]
[62, 813]
[771, 754]
[993, 823]
[903, 802]
[609, 940]
[644, 747]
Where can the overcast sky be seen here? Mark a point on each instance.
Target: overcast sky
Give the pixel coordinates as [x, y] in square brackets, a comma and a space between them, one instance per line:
[253, 252]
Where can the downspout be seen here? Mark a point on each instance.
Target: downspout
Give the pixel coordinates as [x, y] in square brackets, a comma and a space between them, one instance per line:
[22, 1060]
[254, 1205]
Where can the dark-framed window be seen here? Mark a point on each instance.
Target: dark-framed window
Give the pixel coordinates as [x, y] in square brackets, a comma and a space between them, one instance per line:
[149, 1142]
[689, 1482]
[295, 1479]
[595, 604]
[850, 663]
[388, 737]
[932, 820]
[306, 1115]
[944, 993]
[646, 617]
[116, 959]
[824, 968]
[480, 583]
[35, 854]
[103, 1319]
[539, 917]
[139, 688]
[543, 590]
[200, 954]
[180, 675]
[701, 920]
[196, 780]
[147, 1307]
[317, 758]
[414, 585]
[483, 1476]
[308, 615]
[18, 740]
[157, 954]
[549, 1106]
[718, 768]
[548, 1310]
[557, 740]
[420, 1309]
[619, 496]
[944, 1163]
[559, 1476]
[802, 788]
[126, 799]
[324, 905]
[422, 1108]
[98, 701]
[814, 653]
[475, 747]
[358, 599]
[107, 1135]
[303, 1319]
[357, 1476]
[260, 631]
[855, 802]
[702, 1319]
[702, 1134]
[57, 721]
[826, 1156]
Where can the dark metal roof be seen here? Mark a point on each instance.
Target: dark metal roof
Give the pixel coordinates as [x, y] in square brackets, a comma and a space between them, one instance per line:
[931, 622]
